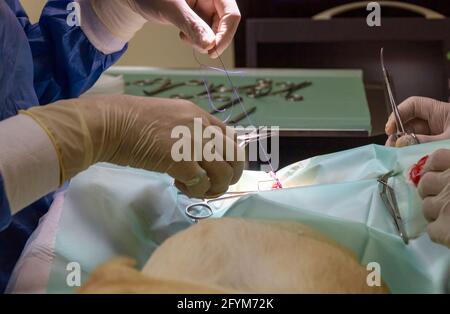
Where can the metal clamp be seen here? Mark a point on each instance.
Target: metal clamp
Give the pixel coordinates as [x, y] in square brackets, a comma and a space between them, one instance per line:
[387, 194]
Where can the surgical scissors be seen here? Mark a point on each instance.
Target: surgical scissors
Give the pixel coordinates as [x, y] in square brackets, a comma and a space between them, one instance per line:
[387, 194]
[194, 211]
[401, 131]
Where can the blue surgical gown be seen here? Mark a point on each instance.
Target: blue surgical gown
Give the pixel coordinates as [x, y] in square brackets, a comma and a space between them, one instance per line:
[39, 64]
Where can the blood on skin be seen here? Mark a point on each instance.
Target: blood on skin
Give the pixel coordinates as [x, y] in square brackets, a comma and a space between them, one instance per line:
[415, 173]
[277, 185]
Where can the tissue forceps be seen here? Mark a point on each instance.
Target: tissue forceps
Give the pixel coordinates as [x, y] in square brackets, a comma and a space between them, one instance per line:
[194, 211]
[387, 194]
[401, 131]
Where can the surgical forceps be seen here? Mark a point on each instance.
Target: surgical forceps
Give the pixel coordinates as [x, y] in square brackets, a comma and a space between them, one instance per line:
[203, 210]
[212, 88]
[148, 82]
[387, 194]
[168, 85]
[289, 88]
[242, 116]
[262, 88]
[398, 119]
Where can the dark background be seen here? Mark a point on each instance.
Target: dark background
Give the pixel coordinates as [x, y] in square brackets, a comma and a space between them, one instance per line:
[418, 67]
[418, 53]
[308, 8]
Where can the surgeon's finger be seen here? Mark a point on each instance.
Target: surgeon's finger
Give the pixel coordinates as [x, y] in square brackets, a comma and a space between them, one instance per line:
[192, 25]
[215, 23]
[431, 184]
[232, 152]
[416, 125]
[412, 108]
[391, 141]
[235, 157]
[431, 208]
[220, 175]
[229, 18]
[190, 178]
[405, 140]
[408, 139]
[438, 230]
[194, 45]
[431, 138]
[438, 161]
[391, 126]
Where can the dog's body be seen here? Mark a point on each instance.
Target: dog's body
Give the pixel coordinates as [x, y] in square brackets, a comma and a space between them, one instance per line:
[243, 256]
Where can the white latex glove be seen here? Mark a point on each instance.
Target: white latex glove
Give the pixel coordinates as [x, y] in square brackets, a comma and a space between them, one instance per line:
[207, 25]
[429, 119]
[434, 188]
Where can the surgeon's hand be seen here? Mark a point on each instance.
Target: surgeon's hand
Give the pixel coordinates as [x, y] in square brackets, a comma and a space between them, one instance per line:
[434, 188]
[207, 25]
[429, 119]
[137, 131]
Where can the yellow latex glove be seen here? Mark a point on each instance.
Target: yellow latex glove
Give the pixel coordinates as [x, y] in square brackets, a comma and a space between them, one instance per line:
[429, 119]
[136, 131]
[434, 188]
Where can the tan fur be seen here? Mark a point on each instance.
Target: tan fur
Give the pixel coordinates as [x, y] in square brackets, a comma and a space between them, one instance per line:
[120, 276]
[237, 255]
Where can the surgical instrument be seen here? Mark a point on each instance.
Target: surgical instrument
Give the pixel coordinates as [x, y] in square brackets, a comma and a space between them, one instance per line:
[290, 88]
[148, 82]
[261, 88]
[260, 91]
[182, 96]
[390, 93]
[242, 116]
[213, 89]
[387, 194]
[248, 88]
[203, 210]
[168, 85]
[219, 98]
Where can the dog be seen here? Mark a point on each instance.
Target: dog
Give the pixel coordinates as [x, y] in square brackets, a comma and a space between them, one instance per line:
[235, 255]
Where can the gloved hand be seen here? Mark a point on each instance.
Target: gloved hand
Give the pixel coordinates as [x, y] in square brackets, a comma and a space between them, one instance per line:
[429, 119]
[137, 131]
[207, 25]
[434, 188]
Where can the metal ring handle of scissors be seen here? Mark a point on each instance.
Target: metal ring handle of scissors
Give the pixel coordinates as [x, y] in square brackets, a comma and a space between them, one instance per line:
[205, 205]
[389, 199]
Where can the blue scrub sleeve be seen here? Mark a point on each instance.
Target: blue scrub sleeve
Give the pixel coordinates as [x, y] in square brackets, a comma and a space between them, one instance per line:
[66, 64]
[5, 211]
